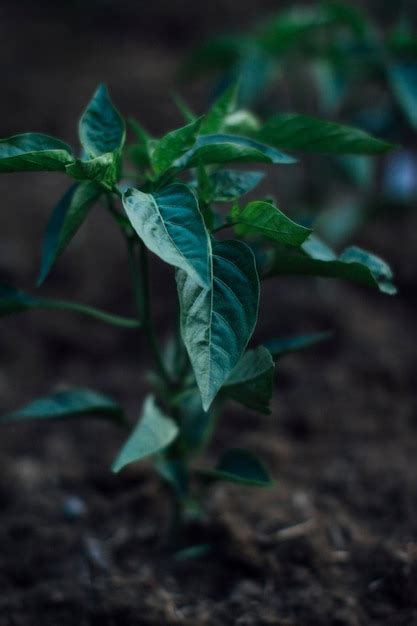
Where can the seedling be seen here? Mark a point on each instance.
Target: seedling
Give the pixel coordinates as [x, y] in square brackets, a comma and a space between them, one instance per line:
[178, 204]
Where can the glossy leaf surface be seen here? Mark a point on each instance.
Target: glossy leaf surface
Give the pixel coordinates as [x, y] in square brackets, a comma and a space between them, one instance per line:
[170, 224]
[65, 404]
[250, 382]
[64, 222]
[218, 321]
[153, 433]
[302, 132]
[228, 185]
[263, 219]
[242, 467]
[101, 127]
[173, 146]
[34, 152]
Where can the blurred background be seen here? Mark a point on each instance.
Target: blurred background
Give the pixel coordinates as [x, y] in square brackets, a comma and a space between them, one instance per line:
[342, 436]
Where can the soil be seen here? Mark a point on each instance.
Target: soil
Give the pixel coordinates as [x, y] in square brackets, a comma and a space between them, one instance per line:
[335, 541]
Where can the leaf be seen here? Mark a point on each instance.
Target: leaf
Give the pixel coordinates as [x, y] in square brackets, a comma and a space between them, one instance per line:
[216, 54]
[228, 185]
[34, 152]
[403, 79]
[154, 432]
[250, 382]
[285, 345]
[170, 224]
[102, 128]
[196, 424]
[65, 404]
[173, 146]
[264, 219]
[103, 169]
[315, 259]
[217, 149]
[214, 120]
[239, 466]
[302, 132]
[14, 301]
[218, 321]
[66, 218]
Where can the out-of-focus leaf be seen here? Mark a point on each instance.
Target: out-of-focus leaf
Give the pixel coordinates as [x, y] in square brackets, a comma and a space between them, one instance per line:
[403, 79]
[153, 433]
[263, 219]
[66, 404]
[302, 132]
[239, 466]
[285, 345]
[66, 218]
[34, 152]
[170, 224]
[214, 120]
[229, 185]
[250, 382]
[216, 54]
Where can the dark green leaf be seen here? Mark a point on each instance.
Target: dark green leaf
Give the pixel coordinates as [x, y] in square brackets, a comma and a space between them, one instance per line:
[263, 219]
[101, 128]
[217, 54]
[174, 472]
[250, 382]
[302, 132]
[214, 120]
[228, 185]
[14, 301]
[34, 152]
[154, 432]
[102, 169]
[240, 466]
[196, 424]
[216, 149]
[403, 78]
[173, 145]
[218, 321]
[284, 345]
[65, 404]
[170, 224]
[64, 222]
[315, 259]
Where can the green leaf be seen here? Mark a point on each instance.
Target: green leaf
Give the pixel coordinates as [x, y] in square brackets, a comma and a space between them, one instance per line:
[103, 169]
[216, 54]
[173, 145]
[218, 321]
[285, 345]
[250, 383]
[66, 218]
[102, 128]
[153, 433]
[34, 152]
[239, 466]
[315, 259]
[229, 185]
[217, 149]
[403, 79]
[65, 404]
[263, 219]
[196, 424]
[170, 224]
[214, 120]
[302, 132]
[14, 301]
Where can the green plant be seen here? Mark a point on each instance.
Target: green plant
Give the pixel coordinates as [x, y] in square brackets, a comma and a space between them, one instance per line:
[170, 206]
[332, 59]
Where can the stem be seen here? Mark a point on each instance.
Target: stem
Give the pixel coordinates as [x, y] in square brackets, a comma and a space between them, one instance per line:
[223, 226]
[76, 307]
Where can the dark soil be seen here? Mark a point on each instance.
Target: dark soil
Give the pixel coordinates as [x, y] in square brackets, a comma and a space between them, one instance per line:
[335, 542]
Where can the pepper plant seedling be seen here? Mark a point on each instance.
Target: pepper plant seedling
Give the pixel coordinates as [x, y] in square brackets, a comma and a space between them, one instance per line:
[171, 207]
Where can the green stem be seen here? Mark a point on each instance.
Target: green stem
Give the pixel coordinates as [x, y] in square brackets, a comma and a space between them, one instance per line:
[76, 307]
